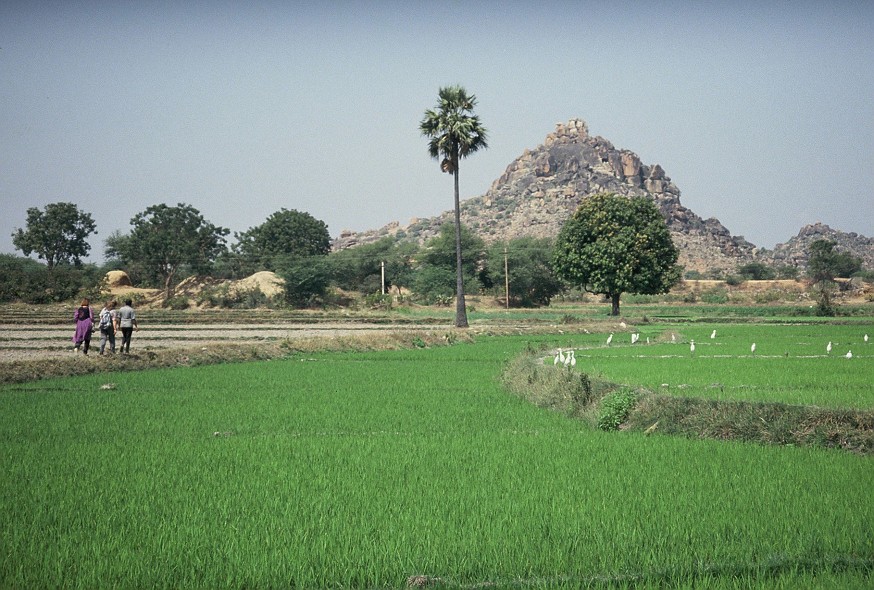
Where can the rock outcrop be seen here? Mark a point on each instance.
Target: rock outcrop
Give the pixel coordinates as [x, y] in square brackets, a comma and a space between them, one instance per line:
[541, 188]
[794, 251]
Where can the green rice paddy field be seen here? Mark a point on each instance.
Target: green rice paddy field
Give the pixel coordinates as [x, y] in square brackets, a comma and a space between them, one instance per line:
[361, 470]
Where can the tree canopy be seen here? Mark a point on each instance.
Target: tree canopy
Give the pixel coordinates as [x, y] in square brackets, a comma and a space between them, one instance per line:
[285, 233]
[614, 244]
[825, 263]
[360, 268]
[454, 132]
[164, 239]
[532, 280]
[57, 234]
[435, 277]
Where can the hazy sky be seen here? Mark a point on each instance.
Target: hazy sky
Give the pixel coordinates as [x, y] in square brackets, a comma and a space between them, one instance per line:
[762, 113]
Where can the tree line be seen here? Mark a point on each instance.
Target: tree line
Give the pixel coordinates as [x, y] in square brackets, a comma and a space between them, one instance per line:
[168, 243]
[611, 245]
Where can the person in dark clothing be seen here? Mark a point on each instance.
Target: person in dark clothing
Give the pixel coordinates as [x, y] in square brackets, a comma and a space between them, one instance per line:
[126, 321]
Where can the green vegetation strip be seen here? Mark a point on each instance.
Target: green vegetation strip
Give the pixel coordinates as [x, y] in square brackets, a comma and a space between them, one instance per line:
[610, 406]
[383, 469]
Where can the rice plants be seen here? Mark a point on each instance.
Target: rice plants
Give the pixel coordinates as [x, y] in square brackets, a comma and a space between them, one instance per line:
[790, 365]
[360, 470]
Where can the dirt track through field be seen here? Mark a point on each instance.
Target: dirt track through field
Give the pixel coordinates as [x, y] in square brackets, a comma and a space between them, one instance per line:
[55, 340]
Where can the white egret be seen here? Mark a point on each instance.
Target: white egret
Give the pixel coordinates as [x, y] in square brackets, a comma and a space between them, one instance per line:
[673, 338]
[647, 339]
[849, 354]
[828, 348]
[753, 348]
[692, 346]
[609, 339]
[866, 337]
[573, 359]
[713, 334]
[635, 337]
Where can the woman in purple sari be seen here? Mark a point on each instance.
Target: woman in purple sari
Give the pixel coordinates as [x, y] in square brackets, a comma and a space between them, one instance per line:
[84, 318]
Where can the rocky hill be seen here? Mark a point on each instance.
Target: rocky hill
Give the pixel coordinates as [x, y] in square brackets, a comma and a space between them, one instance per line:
[794, 251]
[544, 186]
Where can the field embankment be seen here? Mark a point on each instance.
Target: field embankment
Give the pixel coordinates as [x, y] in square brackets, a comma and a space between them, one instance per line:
[600, 402]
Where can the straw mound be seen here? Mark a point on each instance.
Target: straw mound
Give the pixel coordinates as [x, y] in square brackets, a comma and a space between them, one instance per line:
[266, 281]
[117, 278]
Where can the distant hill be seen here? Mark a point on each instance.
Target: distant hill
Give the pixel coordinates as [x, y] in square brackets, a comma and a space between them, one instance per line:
[794, 251]
[541, 188]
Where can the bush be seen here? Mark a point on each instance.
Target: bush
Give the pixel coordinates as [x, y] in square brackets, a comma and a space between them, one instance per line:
[768, 296]
[756, 271]
[29, 281]
[177, 303]
[690, 297]
[715, 296]
[306, 280]
[615, 408]
[225, 297]
[378, 301]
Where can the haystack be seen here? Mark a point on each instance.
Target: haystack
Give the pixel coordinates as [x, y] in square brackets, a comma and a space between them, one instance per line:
[117, 278]
[266, 281]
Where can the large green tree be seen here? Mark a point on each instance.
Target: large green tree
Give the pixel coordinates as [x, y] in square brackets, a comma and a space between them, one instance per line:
[165, 239]
[285, 233]
[454, 132]
[57, 234]
[614, 244]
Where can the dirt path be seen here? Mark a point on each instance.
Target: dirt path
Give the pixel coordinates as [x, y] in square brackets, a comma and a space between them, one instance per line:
[55, 340]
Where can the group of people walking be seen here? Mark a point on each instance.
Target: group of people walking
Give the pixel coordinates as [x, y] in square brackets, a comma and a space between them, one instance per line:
[110, 321]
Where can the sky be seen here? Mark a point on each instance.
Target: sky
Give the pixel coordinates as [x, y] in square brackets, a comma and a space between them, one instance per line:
[762, 113]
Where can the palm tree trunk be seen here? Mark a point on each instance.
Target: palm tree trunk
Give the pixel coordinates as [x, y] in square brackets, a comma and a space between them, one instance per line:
[460, 308]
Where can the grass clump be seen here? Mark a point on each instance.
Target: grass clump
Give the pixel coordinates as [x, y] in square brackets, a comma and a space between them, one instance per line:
[546, 386]
[761, 422]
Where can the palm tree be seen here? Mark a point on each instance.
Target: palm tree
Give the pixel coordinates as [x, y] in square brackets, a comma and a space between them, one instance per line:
[454, 132]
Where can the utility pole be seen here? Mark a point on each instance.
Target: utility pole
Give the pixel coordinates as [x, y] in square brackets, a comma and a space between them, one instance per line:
[506, 277]
[382, 273]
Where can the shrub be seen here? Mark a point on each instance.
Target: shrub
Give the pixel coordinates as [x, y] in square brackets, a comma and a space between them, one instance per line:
[177, 303]
[225, 297]
[378, 301]
[768, 296]
[690, 297]
[615, 408]
[715, 296]
[756, 271]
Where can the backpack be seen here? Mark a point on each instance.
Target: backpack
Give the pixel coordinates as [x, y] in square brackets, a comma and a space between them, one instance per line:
[105, 319]
[84, 314]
